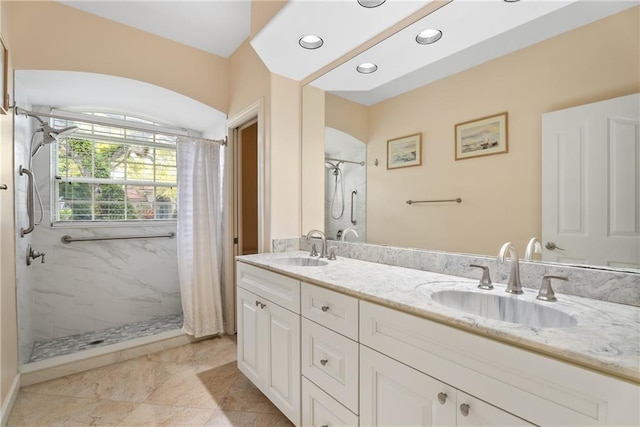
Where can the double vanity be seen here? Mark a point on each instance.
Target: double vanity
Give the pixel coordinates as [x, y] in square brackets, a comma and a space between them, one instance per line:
[351, 342]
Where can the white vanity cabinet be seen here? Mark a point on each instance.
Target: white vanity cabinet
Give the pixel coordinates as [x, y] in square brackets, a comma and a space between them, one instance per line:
[535, 388]
[269, 335]
[330, 357]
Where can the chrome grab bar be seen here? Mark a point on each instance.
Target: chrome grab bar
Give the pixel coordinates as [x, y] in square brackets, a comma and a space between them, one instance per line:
[68, 239]
[458, 200]
[353, 193]
[30, 210]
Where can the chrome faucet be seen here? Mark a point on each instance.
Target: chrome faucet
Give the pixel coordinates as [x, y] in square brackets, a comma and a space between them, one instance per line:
[32, 255]
[513, 285]
[533, 247]
[323, 254]
[347, 231]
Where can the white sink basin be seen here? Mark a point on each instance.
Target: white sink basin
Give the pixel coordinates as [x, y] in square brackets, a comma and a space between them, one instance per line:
[300, 262]
[505, 308]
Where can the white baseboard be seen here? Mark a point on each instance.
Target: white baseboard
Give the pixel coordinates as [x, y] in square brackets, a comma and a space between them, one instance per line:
[7, 405]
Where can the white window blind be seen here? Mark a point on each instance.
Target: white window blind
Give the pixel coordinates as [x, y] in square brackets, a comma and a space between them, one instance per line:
[110, 173]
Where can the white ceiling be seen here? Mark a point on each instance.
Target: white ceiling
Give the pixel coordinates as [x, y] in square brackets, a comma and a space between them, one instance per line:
[473, 32]
[215, 26]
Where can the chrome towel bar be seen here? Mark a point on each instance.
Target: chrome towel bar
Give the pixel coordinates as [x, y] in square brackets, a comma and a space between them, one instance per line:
[458, 200]
[68, 239]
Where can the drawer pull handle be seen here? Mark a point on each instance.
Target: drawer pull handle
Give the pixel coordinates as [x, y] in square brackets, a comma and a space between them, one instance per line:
[325, 308]
[442, 398]
[464, 409]
[323, 362]
[324, 425]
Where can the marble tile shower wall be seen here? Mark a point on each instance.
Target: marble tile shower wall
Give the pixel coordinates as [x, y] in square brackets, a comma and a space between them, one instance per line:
[24, 276]
[605, 285]
[87, 286]
[355, 177]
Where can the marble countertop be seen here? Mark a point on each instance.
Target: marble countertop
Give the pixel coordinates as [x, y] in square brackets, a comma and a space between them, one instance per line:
[606, 338]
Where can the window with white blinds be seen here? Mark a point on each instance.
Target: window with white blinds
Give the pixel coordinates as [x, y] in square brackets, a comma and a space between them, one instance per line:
[107, 173]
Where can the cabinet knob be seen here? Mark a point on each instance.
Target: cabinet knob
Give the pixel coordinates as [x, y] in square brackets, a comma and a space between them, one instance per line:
[464, 409]
[263, 305]
[325, 308]
[257, 303]
[323, 362]
[442, 397]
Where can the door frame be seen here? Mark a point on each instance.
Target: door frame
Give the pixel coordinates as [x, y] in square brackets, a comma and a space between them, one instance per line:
[252, 113]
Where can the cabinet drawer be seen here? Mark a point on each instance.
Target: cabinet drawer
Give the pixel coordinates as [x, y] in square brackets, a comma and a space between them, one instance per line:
[330, 360]
[334, 310]
[320, 410]
[275, 287]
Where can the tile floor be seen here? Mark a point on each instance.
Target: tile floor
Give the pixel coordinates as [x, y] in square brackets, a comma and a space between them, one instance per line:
[192, 385]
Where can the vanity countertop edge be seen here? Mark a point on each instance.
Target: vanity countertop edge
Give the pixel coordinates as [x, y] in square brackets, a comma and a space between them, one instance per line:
[606, 339]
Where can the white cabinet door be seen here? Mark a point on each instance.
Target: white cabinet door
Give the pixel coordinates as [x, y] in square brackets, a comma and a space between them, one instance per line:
[248, 324]
[269, 350]
[282, 350]
[393, 394]
[473, 412]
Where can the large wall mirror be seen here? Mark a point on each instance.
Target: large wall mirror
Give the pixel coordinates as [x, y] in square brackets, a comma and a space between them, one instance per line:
[565, 59]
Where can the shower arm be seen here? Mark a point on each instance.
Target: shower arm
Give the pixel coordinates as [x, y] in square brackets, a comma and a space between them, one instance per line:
[344, 161]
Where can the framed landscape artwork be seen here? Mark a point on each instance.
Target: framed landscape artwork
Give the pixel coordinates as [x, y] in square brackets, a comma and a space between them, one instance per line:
[482, 137]
[404, 151]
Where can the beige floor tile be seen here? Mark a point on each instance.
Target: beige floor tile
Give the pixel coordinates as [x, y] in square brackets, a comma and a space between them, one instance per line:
[35, 409]
[130, 381]
[224, 418]
[71, 385]
[201, 355]
[243, 396]
[163, 415]
[201, 390]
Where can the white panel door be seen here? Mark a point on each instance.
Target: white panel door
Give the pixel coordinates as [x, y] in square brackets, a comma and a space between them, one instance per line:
[591, 183]
[393, 394]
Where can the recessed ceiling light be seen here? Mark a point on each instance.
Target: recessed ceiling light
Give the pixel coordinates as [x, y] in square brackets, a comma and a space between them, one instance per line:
[370, 3]
[367, 68]
[310, 41]
[429, 36]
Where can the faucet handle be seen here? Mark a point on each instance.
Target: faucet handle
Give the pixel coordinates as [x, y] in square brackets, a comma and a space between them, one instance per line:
[42, 258]
[332, 253]
[485, 281]
[546, 291]
[314, 250]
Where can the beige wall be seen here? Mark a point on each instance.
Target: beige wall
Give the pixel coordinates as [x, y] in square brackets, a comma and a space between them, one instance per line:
[261, 13]
[313, 128]
[347, 116]
[501, 193]
[248, 79]
[285, 157]
[8, 319]
[49, 36]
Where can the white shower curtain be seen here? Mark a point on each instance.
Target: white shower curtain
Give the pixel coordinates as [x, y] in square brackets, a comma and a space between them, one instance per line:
[200, 202]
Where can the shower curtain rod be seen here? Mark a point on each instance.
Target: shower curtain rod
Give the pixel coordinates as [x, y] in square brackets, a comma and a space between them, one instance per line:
[20, 111]
[344, 161]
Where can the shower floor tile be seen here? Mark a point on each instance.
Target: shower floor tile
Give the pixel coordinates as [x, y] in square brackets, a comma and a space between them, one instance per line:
[43, 350]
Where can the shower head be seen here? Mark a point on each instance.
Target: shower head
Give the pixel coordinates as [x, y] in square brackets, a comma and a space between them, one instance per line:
[334, 166]
[51, 134]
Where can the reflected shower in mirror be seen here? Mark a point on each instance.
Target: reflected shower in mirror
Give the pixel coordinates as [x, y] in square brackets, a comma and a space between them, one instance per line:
[345, 186]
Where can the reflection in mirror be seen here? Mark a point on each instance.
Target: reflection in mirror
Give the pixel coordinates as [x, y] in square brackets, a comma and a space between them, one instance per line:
[345, 186]
[502, 194]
